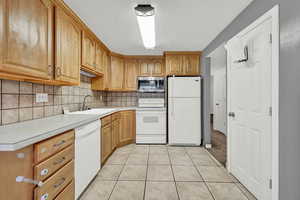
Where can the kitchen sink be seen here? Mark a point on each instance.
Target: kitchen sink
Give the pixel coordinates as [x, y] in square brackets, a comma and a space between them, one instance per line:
[96, 111]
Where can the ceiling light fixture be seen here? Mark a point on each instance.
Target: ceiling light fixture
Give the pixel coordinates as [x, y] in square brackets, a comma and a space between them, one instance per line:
[146, 20]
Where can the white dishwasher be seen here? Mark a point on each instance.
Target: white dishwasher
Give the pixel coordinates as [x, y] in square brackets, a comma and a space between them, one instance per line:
[87, 155]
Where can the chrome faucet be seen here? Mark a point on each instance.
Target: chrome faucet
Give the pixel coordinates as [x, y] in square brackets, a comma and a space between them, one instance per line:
[84, 107]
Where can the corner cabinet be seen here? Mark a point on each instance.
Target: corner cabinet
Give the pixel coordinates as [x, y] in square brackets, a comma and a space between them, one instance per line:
[26, 42]
[182, 63]
[68, 48]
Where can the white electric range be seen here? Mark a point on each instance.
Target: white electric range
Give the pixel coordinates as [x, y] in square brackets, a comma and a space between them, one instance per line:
[151, 121]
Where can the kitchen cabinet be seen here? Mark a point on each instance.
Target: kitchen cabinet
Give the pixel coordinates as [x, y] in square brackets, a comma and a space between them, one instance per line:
[131, 73]
[152, 67]
[26, 32]
[128, 132]
[54, 166]
[11, 166]
[115, 130]
[102, 83]
[68, 50]
[106, 142]
[116, 74]
[191, 64]
[182, 63]
[88, 60]
[99, 59]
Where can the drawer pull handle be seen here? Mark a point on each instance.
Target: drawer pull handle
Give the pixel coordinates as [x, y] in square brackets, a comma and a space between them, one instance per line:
[62, 180]
[22, 179]
[59, 161]
[60, 143]
[45, 196]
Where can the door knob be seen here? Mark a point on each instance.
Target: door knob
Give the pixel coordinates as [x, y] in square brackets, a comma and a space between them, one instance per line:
[231, 114]
[217, 104]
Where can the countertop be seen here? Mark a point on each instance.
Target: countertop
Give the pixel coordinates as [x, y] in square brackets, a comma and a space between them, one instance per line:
[16, 136]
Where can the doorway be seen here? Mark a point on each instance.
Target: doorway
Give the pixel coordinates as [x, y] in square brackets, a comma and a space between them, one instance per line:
[219, 104]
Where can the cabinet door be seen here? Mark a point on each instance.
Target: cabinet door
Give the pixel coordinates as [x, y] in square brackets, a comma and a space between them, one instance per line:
[115, 133]
[12, 166]
[99, 63]
[26, 37]
[191, 64]
[88, 51]
[158, 68]
[174, 65]
[116, 73]
[106, 142]
[127, 133]
[131, 73]
[145, 68]
[68, 50]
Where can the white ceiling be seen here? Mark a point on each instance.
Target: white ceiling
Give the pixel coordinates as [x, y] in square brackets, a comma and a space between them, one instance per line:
[181, 25]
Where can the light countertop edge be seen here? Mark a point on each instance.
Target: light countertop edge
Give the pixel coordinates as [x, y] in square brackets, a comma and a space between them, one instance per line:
[12, 140]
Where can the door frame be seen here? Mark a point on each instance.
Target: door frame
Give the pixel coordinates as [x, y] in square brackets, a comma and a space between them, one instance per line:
[272, 14]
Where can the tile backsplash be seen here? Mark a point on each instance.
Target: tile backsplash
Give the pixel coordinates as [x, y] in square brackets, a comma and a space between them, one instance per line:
[17, 99]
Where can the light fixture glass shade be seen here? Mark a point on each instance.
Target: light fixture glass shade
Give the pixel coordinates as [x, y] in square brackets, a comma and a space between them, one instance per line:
[147, 29]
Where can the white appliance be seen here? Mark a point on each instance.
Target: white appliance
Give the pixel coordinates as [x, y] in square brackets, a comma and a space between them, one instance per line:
[151, 121]
[151, 84]
[184, 110]
[87, 155]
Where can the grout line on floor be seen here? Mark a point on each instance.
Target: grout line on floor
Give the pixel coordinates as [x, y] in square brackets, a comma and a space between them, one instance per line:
[117, 178]
[201, 177]
[144, 196]
[173, 174]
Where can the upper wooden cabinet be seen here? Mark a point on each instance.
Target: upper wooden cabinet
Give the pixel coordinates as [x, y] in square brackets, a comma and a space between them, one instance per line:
[130, 75]
[182, 63]
[152, 67]
[174, 65]
[100, 60]
[191, 64]
[26, 38]
[68, 39]
[116, 73]
[88, 51]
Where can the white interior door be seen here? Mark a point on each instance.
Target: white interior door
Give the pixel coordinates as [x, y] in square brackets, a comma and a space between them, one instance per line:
[249, 96]
[220, 113]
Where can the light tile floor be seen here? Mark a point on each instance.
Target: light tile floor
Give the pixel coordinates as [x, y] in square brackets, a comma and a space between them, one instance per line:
[159, 172]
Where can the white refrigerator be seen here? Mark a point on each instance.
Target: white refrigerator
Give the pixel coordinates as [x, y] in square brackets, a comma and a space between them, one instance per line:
[184, 111]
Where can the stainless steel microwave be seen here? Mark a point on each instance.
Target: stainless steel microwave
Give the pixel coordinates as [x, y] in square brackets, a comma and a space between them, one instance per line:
[151, 84]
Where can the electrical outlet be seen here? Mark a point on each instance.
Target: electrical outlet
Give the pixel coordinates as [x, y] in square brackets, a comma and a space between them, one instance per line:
[41, 97]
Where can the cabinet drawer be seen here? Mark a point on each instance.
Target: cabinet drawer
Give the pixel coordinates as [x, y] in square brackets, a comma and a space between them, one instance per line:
[51, 165]
[116, 116]
[48, 147]
[68, 193]
[105, 120]
[56, 183]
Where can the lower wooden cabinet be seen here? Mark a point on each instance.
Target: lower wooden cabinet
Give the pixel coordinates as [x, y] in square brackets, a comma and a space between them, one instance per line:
[56, 171]
[106, 142]
[115, 133]
[117, 130]
[11, 166]
[127, 133]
